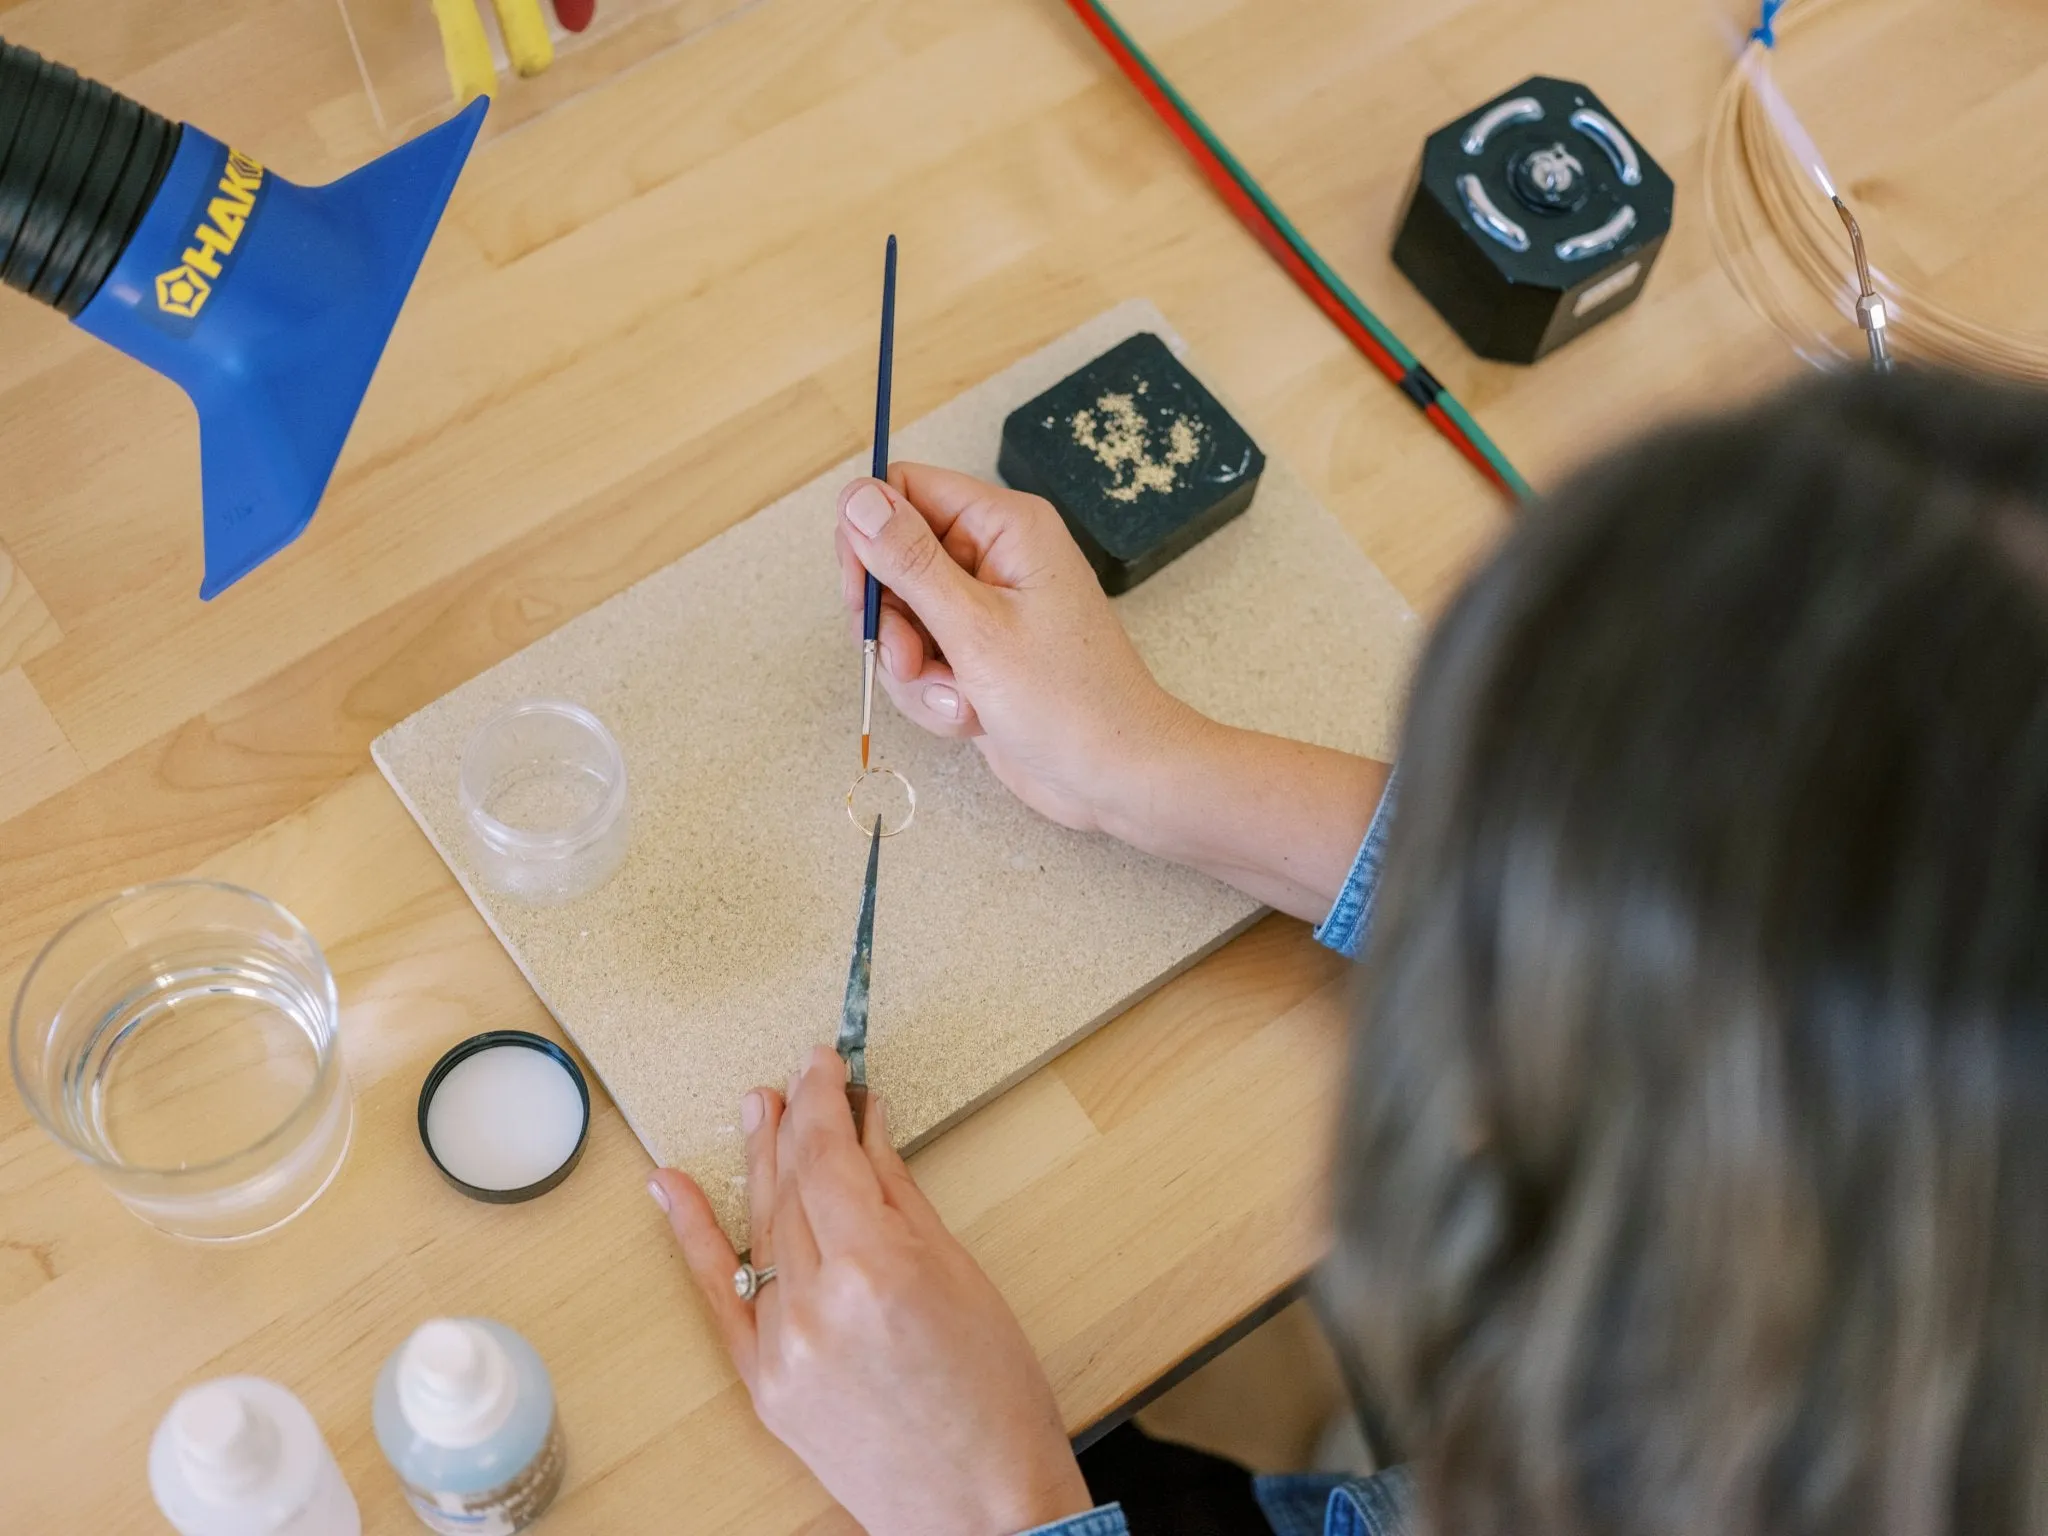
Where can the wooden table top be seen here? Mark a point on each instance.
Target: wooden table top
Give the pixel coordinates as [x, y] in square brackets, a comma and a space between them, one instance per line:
[650, 312]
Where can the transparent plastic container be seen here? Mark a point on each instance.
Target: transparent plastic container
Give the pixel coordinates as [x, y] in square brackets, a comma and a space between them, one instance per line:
[181, 1038]
[397, 46]
[241, 1456]
[543, 794]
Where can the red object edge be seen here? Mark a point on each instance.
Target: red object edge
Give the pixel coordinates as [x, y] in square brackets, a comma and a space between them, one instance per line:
[1268, 235]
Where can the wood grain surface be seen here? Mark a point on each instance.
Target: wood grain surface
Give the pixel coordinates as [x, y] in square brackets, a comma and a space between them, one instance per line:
[649, 312]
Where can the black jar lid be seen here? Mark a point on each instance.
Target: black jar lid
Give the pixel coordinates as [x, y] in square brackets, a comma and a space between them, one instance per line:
[506, 1129]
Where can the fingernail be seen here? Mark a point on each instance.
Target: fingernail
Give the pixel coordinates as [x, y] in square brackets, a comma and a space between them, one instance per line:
[942, 700]
[660, 1195]
[868, 510]
[750, 1112]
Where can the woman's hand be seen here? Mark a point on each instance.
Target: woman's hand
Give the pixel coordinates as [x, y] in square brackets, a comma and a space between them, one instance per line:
[994, 627]
[880, 1353]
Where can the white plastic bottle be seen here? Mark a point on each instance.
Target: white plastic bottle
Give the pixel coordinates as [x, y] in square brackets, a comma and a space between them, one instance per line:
[241, 1457]
[466, 1416]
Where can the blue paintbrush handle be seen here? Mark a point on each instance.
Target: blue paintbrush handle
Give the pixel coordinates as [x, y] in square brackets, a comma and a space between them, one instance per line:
[871, 618]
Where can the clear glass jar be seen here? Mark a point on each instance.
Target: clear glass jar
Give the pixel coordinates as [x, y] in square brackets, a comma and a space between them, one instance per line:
[543, 794]
[182, 1039]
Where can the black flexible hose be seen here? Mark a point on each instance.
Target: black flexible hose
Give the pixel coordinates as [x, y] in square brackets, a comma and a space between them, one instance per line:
[79, 166]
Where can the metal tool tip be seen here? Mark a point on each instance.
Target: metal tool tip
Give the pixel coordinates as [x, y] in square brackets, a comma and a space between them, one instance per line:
[864, 740]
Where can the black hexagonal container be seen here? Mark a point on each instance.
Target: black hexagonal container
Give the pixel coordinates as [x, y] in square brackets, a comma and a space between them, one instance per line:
[1533, 219]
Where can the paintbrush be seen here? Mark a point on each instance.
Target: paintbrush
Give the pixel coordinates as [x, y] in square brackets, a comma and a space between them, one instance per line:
[871, 616]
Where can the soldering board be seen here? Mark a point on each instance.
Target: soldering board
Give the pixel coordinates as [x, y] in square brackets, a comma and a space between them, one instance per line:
[717, 955]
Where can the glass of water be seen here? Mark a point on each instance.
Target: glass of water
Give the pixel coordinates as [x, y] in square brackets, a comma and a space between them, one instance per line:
[181, 1039]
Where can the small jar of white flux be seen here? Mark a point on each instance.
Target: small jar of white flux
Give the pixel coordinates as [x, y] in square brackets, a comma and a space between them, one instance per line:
[241, 1457]
[465, 1414]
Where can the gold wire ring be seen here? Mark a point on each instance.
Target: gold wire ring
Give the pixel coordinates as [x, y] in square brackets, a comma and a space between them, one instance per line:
[910, 796]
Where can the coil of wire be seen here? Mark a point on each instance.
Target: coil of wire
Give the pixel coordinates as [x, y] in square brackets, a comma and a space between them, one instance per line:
[1780, 241]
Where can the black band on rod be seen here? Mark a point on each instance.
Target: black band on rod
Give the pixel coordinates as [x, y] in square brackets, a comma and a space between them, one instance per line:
[1421, 386]
[79, 166]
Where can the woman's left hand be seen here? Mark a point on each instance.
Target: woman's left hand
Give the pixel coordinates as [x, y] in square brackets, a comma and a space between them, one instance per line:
[880, 1353]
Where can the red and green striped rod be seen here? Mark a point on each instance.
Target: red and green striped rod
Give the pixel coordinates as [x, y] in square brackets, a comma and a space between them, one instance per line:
[1262, 216]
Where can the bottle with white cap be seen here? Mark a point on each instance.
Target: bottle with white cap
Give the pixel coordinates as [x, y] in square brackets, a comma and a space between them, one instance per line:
[241, 1457]
[466, 1416]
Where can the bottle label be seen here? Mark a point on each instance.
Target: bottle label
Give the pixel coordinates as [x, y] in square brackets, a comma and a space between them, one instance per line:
[496, 1511]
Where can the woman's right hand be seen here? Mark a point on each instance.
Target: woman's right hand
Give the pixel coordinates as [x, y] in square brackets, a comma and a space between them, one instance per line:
[994, 627]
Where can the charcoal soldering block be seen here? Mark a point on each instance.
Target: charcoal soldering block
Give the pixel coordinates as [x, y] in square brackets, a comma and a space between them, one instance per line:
[1141, 460]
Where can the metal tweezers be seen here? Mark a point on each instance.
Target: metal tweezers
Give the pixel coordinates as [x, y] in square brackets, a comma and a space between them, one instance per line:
[853, 1016]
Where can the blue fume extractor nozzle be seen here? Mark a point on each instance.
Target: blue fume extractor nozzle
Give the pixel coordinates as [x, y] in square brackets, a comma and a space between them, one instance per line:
[268, 303]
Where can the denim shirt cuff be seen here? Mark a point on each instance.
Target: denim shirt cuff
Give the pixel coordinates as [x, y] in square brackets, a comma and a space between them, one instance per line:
[1316, 1504]
[1104, 1520]
[1350, 920]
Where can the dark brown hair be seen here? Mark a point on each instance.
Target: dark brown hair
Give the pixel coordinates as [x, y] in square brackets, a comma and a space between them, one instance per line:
[1694, 1179]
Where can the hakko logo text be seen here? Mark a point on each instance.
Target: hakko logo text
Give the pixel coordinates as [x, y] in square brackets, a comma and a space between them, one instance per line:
[184, 290]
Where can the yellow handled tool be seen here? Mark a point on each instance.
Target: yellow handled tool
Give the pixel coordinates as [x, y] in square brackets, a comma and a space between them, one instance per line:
[525, 31]
[466, 49]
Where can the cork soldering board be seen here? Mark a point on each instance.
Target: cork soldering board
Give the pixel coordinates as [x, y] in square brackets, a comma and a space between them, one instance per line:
[717, 954]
